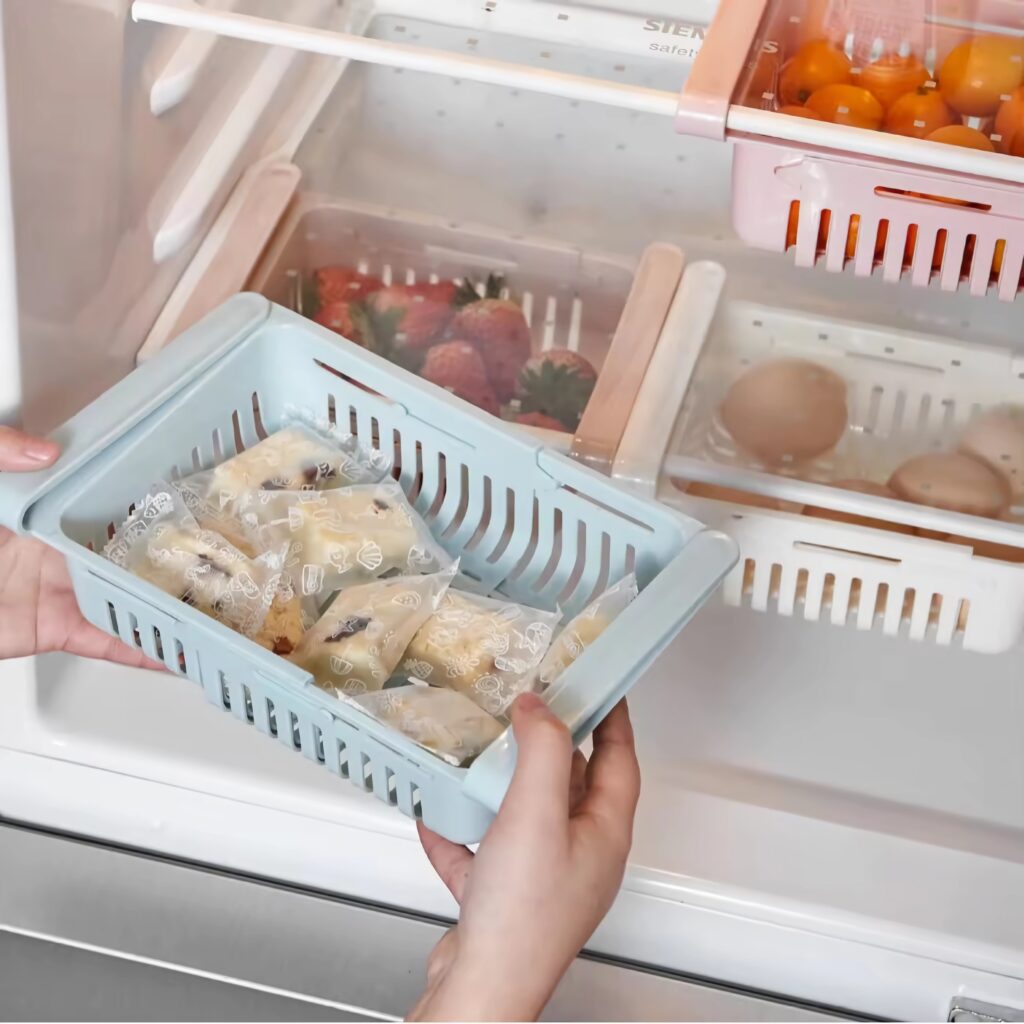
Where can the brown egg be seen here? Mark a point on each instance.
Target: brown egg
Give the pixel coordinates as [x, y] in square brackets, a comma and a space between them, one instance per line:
[997, 438]
[988, 549]
[952, 481]
[786, 411]
[861, 487]
[700, 490]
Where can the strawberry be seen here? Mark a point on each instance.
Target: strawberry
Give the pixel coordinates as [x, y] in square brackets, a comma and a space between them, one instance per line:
[538, 419]
[335, 284]
[498, 329]
[420, 312]
[458, 367]
[345, 318]
[557, 384]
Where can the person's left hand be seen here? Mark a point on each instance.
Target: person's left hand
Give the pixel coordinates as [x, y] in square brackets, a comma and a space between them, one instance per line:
[38, 611]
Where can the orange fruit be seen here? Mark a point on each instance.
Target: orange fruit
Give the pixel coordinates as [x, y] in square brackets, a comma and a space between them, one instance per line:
[892, 76]
[1009, 126]
[978, 73]
[919, 113]
[961, 135]
[847, 104]
[794, 111]
[816, 64]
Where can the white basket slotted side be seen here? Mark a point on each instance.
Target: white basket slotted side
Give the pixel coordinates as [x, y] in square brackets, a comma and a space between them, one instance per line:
[907, 394]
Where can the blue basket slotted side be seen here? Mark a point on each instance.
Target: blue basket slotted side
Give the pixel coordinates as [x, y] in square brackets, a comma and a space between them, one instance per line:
[530, 523]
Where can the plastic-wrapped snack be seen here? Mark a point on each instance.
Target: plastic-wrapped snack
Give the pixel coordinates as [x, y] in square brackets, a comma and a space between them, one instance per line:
[357, 643]
[580, 632]
[161, 542]
[298, 457]
[485, 648]
[344, 537]
[445, 722]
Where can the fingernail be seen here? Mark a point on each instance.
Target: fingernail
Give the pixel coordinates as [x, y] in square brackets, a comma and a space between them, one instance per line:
[40, 451]
[529, 702]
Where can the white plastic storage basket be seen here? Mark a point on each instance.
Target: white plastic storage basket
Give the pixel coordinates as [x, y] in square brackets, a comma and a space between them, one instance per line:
[907, 394]
[524, 520]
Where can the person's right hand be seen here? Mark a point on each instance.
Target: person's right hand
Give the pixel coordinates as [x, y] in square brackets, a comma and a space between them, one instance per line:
[545, 874]
[38, 611]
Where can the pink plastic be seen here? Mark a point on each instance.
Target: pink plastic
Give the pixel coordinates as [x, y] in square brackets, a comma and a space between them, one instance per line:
[768, 178]
[707, 94]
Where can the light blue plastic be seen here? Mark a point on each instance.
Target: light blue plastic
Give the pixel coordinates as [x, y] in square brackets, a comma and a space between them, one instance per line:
[524, 520]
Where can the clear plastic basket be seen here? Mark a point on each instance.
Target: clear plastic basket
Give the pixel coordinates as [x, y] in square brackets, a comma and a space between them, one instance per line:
[525, 521]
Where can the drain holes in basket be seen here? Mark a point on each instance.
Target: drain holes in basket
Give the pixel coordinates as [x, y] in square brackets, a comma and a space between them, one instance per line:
[318, 745]
[921, 197]
[461, 509]
[963, 616]
[247, 698]
[113, 618]
[482, 517]
[556, 552]
[509, 527]
[197, 459]
[342, 759]
[442, 487]
[582, 554]
[392, 782]
[218, 446]
[179, 658]
[236, 432]
[257, 417]
[332, 410]
[225, 696]
[366, 769]
[417, 802]
[271, 717]
[967, 263]
[158, 643]
[133, 623]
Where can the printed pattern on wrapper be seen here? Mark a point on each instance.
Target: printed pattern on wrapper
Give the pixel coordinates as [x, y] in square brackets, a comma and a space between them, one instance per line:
[163, 543]
[358, 642]
[446, 723]
[584, 629]
[485, 648]
[343, 537]
[297, 457]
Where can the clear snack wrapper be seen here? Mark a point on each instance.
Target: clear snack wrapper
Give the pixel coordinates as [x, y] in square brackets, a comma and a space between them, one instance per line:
[580, 632]
[298, 457]
[343, 537]
[444, 722]
[358, 642]
[487, 649]
[163, 543]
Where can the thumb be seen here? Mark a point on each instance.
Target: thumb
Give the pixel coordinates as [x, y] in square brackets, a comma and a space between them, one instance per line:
[23, 453]
[540, 783]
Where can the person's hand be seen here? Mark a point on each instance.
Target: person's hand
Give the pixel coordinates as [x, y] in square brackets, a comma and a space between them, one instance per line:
[38, 611]
[544, 876]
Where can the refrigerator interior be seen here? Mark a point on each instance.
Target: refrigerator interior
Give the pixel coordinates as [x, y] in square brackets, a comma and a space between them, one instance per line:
[831, 782]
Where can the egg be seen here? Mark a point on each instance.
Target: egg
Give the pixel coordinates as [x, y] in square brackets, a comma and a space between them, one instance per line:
[988, 549]
[861, 487]
[785, 411]
[731, 494]
[997, 438]
[953, 481]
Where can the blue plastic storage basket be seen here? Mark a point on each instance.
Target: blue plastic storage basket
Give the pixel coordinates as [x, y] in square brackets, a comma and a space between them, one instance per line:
[525, 521]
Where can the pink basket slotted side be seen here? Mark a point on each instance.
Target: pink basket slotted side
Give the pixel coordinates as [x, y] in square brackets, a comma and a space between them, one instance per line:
[768, 178]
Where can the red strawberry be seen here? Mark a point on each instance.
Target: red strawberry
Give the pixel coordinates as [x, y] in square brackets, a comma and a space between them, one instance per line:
[538, 419]
[458, 367]
[420, 311]
[499, 330]
[344, 318]
[557, 384]
[336, 284]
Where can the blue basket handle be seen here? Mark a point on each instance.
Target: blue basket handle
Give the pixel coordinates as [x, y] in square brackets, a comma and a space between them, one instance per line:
[581, 698]
[134, 397]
